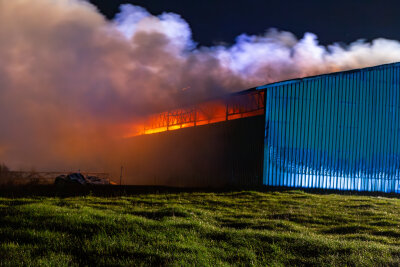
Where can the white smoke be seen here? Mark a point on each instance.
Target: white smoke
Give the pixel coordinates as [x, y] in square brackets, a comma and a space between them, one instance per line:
[70, 79]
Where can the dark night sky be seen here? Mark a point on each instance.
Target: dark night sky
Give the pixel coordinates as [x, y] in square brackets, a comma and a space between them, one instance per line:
[214, 21]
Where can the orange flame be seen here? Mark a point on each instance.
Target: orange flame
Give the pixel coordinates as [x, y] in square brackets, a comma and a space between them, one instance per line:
[247, 104]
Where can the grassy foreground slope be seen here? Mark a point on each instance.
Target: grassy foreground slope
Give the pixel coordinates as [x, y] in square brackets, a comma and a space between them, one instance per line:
[199, 229]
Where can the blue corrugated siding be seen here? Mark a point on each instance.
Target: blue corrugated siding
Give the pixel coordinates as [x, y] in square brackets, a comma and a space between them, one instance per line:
[338, 131]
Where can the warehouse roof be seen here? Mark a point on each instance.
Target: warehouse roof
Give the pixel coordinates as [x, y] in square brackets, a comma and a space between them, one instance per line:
[272, 85]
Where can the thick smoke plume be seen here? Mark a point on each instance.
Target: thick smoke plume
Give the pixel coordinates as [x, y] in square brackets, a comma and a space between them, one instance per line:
[71, 81]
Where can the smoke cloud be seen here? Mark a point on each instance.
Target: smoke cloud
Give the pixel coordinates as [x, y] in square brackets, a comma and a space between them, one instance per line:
[71, 81]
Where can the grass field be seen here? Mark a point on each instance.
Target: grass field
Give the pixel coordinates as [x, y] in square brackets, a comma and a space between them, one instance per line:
[201, 229]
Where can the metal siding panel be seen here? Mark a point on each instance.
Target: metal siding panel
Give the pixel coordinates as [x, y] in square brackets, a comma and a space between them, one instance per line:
[336, 131]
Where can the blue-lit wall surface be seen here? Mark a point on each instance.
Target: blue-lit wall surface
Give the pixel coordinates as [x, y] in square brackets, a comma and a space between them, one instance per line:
[336, 131]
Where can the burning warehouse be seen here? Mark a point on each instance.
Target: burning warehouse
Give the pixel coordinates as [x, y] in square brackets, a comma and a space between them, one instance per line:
[333, 131]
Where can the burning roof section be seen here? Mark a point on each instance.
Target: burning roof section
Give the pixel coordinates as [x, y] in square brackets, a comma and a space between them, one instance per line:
[235, 106]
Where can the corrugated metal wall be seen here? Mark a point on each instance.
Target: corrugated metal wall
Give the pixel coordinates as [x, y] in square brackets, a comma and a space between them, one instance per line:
[228, 153]
[338, 131]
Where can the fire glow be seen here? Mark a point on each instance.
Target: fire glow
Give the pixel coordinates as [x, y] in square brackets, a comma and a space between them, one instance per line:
[246, 104]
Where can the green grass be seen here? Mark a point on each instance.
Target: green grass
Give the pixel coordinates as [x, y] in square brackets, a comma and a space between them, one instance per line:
[201, 229]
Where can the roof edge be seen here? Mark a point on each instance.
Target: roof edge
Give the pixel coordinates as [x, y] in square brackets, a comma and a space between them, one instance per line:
[291, 81]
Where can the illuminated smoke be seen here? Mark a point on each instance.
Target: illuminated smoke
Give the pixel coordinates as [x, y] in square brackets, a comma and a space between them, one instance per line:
[70, 81]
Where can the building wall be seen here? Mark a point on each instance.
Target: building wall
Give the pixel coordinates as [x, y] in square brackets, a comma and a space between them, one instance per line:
[222, 154]
[337, 131]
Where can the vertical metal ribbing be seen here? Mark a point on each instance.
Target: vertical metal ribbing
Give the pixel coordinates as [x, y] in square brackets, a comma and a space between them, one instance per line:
[265, 172]
[360, 113]
[363, 129]
[394, 127]
[344, 117]
[369, 143]
[380, 119]
[272, 134]
[283, 127]
[343, 147]
[359, 147]
[379, 136]
[386, 110]
[324, 149]
[328, 99]
[281, 134]
[288, 126]
[335, 132]
[350, 140]
[357, 117]
[295, 133]
[270, 102]
[353, 130]
[301, 133]
[313, 123]
[384, 136]
[323, 134]
[382, 151]
[308, 160]
[364, 117]
[276, 139]
[334, 128]
[388, 127]
[346, 130]
[284, 136]
[292, 136]
[374, 129]
[313, 130]
[278, 130]
[317, 147]
[320, 120]
[369, 166]
[338, 130]
[310, 131]
[368, 132]
[390, 133]
[356, 131]
[344, 154]
[286, 153]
